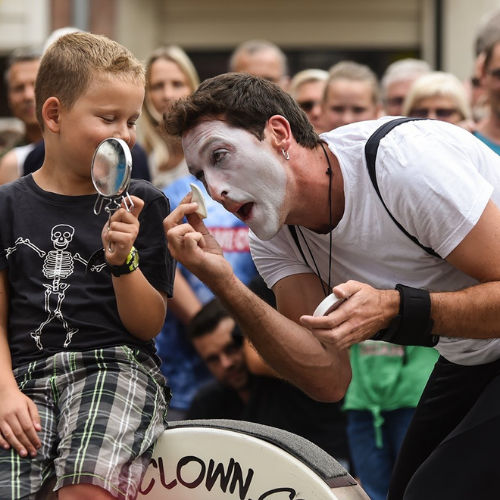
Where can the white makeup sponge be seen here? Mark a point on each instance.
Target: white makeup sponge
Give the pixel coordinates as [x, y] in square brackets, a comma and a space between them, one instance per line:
[197, 197]
[327, 305]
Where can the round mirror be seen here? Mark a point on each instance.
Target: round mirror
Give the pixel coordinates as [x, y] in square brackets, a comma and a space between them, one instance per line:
[111, 167]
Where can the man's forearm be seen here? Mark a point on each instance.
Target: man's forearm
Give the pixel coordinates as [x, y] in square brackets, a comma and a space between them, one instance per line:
[288, 347]
[470, 313]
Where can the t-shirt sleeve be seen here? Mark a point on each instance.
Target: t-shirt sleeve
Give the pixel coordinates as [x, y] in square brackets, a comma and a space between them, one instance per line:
[430, 181]
[155, 260]
[278, 257]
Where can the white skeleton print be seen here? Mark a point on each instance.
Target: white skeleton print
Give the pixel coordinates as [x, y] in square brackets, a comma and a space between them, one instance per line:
[58, 265]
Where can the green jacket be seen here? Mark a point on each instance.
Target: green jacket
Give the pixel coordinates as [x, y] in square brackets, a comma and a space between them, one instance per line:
[387, 377]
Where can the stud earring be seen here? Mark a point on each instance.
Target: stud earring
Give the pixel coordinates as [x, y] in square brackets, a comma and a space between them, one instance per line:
[285, 154]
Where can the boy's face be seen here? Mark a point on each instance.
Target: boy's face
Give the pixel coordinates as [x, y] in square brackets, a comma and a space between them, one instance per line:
[242, 173]
[108, 108]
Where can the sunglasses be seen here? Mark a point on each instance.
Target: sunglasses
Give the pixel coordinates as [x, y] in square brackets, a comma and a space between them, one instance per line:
[475, 82]
[307, 105]
[439, 112]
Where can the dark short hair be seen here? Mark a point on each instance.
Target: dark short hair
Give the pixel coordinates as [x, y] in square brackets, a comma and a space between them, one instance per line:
[207, 319]
[243, 101]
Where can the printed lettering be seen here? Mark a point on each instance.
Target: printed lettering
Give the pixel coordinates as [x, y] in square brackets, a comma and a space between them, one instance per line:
[185, 461]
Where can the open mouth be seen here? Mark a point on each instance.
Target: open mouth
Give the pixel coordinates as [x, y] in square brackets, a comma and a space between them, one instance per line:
[244, 211]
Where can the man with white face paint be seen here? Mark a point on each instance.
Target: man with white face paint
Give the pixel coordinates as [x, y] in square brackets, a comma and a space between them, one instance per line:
[257, 154]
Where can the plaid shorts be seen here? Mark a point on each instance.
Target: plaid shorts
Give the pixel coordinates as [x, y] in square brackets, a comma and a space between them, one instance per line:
[101, 412]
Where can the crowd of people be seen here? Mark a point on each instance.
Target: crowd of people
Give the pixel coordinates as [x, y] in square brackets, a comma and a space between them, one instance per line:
[217, 322]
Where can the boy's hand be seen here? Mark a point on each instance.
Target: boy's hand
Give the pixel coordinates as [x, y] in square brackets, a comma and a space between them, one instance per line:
[118, 236]
[19, 423]
[192, 244]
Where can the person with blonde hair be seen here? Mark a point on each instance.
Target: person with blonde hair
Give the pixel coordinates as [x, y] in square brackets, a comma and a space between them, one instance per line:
[438, 95]
[307, 88]
[170, 75]
[351, 95]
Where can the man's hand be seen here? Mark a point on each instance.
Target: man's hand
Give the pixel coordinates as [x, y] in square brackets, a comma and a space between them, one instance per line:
[119, 235]
[192, 244]
[19, 423]
[365, 311]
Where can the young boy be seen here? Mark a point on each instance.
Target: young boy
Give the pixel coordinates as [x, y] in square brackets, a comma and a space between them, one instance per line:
[83, 400]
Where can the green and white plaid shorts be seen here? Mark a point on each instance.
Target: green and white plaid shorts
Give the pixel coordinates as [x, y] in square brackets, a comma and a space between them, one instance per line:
[101, 412]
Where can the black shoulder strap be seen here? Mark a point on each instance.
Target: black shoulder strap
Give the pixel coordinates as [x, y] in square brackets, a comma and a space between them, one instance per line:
[371, 148]
[295, 237]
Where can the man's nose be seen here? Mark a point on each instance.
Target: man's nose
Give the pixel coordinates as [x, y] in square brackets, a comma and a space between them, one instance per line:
[215, 187]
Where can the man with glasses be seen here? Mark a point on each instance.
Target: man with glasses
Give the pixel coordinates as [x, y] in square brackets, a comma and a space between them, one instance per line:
[397, 80]
[488, 130]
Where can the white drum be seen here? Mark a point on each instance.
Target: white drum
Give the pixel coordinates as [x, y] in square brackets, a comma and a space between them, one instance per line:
[219, 459]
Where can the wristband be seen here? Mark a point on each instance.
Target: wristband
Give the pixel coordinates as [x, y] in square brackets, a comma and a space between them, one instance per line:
[131, 264]
[413, 324]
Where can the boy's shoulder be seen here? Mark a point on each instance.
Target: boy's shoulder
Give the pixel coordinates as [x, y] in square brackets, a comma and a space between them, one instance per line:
[145, 190]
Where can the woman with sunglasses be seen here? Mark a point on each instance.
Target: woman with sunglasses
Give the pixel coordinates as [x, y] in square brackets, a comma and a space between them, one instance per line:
[438, 95]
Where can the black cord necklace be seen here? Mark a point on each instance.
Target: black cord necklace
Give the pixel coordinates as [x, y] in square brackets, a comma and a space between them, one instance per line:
[330, 217]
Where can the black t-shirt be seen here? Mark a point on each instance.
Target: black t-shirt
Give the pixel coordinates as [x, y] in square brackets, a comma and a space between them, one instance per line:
[276, 403]
[56, 303]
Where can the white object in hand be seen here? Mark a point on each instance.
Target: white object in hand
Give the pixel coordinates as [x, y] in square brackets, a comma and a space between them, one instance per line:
[327, 305]
[197, 196]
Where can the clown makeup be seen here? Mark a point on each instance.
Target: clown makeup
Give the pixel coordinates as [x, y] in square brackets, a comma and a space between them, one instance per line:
[242, 173]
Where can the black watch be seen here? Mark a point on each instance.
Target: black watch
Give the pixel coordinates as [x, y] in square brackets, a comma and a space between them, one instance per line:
[131, 264]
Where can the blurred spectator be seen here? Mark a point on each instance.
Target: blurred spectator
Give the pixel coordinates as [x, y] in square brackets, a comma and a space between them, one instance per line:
[237, 393]
[261, 58]
[307, 88]
[351, 95]
[20, 76]
[438, 95]
[397, 80]
[170, 75]
[488, 130]
[488, 31]
[478, 96]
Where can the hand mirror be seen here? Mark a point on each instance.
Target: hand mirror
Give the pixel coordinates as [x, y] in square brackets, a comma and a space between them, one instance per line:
[111, 170]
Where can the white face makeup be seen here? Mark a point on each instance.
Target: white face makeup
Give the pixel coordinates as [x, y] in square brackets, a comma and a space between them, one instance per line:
[240, 172]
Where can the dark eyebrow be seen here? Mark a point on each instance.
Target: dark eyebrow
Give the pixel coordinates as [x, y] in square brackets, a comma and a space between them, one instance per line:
[208, 144]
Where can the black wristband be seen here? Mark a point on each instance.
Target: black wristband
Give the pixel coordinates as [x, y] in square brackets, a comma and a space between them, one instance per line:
[131, 264]
[413, 324]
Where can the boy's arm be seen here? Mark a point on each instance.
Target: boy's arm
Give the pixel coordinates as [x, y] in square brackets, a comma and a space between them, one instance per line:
[19, 419]
[184, 303]
[141, 307]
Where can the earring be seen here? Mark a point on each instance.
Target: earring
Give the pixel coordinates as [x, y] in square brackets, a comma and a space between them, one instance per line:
[285, 154]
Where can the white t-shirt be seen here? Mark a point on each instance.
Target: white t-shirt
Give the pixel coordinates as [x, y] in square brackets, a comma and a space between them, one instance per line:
[436, 180]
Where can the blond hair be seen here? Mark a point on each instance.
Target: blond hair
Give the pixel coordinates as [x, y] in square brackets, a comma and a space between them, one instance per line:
[350, 70]
[306, 76]
[149, 132]
[438, 83]
[71, 62]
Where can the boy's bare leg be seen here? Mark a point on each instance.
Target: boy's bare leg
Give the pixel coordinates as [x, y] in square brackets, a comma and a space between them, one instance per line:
[84, 492]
